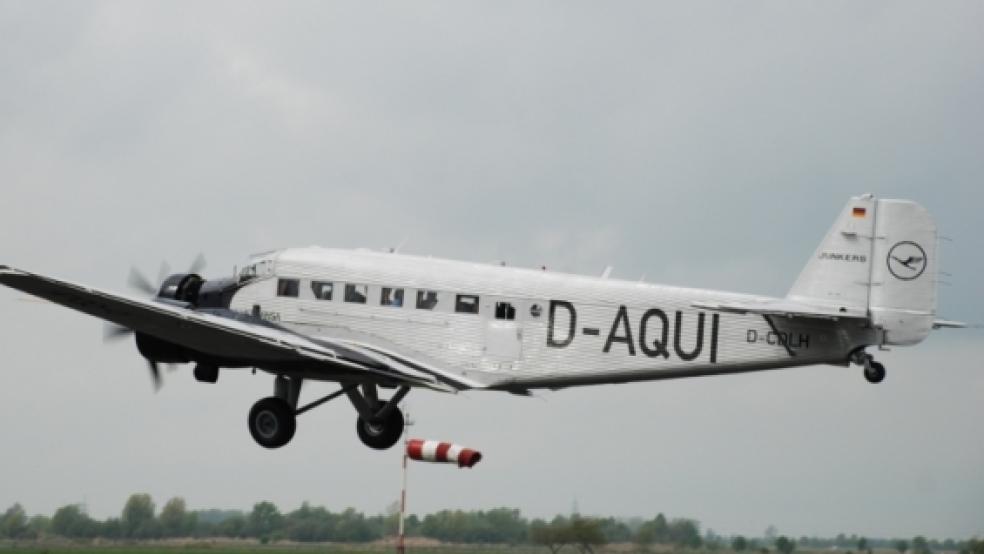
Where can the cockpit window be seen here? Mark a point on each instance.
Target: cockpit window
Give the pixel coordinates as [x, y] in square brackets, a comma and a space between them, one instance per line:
[322, 289]
[247, 273]
[288, 287]
[255, 269]
[356, 293]
[391, 297]
[466, 304]
[426, 299]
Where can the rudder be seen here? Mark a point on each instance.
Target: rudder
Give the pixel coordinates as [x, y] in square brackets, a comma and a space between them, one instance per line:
[904, 274]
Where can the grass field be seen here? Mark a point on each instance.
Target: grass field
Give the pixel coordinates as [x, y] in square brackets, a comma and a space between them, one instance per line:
[198, 548]
[415, 545]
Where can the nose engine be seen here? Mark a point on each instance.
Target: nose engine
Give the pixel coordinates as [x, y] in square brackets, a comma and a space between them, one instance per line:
[181, 287]
[187, 289]
[190, 288]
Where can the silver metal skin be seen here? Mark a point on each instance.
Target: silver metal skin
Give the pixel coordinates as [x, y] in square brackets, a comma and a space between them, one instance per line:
[371, 319]
[519, 353]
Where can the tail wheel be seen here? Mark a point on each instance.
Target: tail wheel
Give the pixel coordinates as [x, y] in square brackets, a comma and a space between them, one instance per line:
[383, 433]
[874, 372]
[272, 422]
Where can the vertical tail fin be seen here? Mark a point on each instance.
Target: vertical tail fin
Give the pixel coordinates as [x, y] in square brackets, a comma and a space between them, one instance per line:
[879, 257]
[839, 272]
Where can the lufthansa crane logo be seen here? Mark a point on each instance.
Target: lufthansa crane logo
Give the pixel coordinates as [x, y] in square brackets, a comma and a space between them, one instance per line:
[906, 260]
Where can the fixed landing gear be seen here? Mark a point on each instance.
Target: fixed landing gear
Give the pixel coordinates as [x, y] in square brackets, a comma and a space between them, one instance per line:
[874, 372]
[380, 424]
[272, 421]
[383, 432]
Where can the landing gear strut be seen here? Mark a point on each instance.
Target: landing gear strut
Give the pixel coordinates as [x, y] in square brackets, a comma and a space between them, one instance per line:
[874, 372]
[273, 420]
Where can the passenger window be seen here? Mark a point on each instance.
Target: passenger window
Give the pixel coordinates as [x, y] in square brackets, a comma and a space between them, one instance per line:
[505, 310]
[288, 287]
[322, 289]
[356, 293]
[466, 304]
[391, 297]
[426, 299]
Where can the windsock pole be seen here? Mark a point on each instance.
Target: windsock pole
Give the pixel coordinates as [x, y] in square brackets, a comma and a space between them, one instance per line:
[429, 451]
[401, 546]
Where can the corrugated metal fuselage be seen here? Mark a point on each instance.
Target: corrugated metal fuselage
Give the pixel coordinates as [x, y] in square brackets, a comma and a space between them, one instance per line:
[564, 329]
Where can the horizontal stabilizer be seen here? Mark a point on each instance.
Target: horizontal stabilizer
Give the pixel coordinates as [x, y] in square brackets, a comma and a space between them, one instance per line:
[946, 324]
[784, 308]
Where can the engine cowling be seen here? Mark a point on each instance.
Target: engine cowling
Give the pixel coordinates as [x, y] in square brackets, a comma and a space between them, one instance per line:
[181, 287]
[190, 288]
[216, 293]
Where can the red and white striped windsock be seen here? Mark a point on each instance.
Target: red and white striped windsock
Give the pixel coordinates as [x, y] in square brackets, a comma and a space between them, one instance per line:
[435, 451]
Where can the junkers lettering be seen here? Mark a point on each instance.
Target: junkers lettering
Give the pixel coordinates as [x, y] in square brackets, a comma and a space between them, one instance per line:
[653, 331]
[844, 257]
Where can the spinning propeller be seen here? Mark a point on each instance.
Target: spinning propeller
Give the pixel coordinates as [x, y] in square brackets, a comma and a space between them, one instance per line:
[138, 281]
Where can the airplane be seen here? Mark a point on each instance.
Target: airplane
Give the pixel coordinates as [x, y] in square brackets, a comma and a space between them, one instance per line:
[372, 320]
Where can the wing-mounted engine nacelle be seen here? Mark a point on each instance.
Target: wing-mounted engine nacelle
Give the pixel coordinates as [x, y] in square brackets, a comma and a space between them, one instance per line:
[157, 350]
[181, 287]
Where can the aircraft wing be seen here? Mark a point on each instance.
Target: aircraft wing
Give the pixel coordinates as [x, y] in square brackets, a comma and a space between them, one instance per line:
[224, 334]
[783, 308]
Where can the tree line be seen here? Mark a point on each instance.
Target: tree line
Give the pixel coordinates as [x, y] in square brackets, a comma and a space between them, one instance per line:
[140, 520]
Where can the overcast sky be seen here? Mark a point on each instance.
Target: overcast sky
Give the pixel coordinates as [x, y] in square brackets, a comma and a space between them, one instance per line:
[704, 144]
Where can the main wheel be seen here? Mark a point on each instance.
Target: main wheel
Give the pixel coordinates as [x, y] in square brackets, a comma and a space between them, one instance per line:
[874, 373]
[383, 433]
[272, 422]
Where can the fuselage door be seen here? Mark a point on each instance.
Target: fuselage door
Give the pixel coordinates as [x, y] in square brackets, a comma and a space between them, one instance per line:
[503, 333]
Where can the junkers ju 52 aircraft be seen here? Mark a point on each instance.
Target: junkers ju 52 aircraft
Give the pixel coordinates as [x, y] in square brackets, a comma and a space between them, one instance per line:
[373, 320]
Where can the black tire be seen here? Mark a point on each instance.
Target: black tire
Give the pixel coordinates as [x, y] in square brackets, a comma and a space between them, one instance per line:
[382, 434]
[272, 422]
[875, 373]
